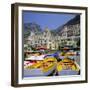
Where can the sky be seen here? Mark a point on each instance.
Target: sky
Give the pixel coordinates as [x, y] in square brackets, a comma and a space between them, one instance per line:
[50, 20]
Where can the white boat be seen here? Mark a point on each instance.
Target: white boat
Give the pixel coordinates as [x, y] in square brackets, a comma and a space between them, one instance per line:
[41, 57]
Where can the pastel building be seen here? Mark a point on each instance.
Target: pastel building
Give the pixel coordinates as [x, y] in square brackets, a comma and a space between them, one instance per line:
[44, 39]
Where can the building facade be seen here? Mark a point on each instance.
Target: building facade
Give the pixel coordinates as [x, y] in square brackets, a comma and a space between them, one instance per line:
[70, 35]
[44, 39]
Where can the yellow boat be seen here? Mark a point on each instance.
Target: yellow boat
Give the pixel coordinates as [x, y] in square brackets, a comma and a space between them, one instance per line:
[49, 64]
[42, 68]
[67, 67]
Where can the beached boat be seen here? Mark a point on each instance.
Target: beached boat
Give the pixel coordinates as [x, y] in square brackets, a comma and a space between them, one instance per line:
[68, 67]
[70, 54]
[42, 67]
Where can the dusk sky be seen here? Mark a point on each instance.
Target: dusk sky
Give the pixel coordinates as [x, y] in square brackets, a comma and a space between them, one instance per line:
[50, 20]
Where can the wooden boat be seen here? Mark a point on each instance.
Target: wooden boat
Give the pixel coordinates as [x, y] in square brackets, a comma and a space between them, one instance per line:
[70, 54]
[68, 67]
[41, 68]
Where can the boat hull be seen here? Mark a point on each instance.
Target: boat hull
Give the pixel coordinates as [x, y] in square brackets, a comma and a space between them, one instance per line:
[38, 72]
[68, 72]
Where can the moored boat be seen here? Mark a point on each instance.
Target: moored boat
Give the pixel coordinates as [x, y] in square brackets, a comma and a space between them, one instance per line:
[42, 66]
[68, 67]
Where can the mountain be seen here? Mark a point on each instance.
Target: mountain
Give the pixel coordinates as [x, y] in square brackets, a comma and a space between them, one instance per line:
[35, 28]
[31, 27]
[75, 20]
